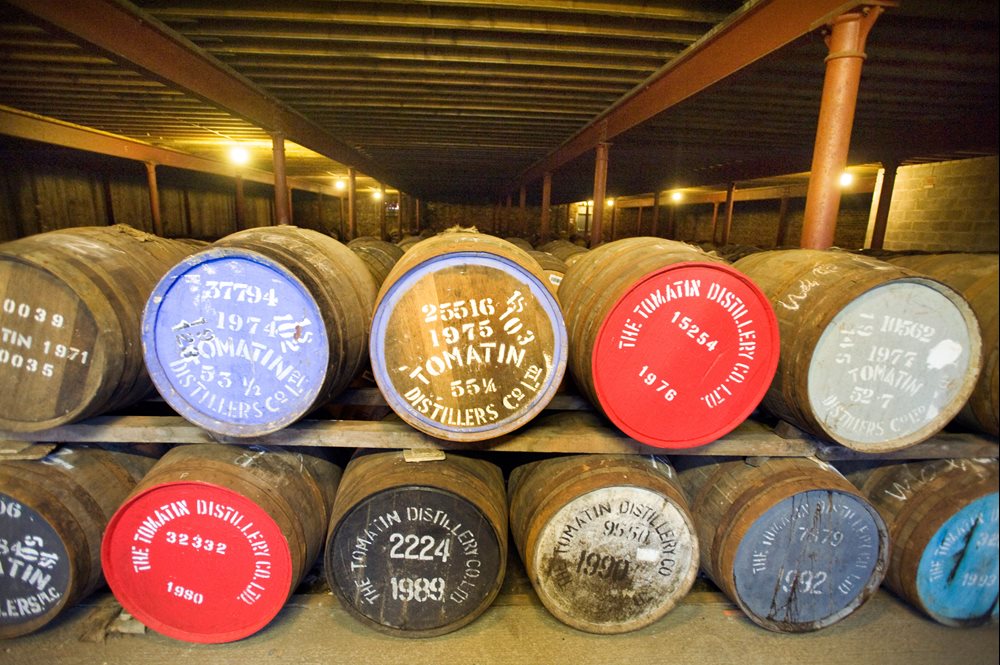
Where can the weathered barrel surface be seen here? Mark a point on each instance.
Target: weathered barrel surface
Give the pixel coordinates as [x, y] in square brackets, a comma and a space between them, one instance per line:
[417, 549]
[521, 243]
[70, 306]
[874, 357]
[214, 540]
[564, 250]
[251, 334]
[975, 276]
[943, 520]
[379, 256]
[607, 540]
[553, 267]
[789, 540]
[467, 341]
[52, 514]
[676, 347]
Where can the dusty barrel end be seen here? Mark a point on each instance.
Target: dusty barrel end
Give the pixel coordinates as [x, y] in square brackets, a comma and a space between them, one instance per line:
[215, 538]
[790, 541]
[417, 549]
[248, 336]
[52, 514]
[70, 305]
[467, 341]
[874, 357]
[943, 518]
[606, 540]
[675, 348]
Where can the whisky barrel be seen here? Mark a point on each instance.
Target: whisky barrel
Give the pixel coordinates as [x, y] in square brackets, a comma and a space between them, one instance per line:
[215, 538]
[564, 250]
[379, 256]
[975, 276]
[607, 540]
[521, 243]
[675, 346]
[874, 357]
[553, 267]
[789, 540]
[52, 514]
[251, 334]
[943, 522]
[417, 548]
[408, 241]
[467, 341]
[70, 306]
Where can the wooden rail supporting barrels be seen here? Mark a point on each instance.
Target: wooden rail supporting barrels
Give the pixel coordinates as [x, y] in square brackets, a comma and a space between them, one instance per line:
[252, 333]
[565, 250]
[417, 548]
[676, 347]
[943, 521]
[52, 514]
[70, 306]
[607, 540]
[215, 538]
[789, 540]
[379, 256]
[467, 341]
[975, 276]
[553, 267]
[874, 357]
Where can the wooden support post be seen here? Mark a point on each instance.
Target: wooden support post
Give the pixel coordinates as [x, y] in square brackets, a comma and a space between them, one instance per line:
[881, 223]
[730, 204]
[846, 43]
[352, 203]
[545, 223]
[154, 199]
[281, 200]
[600, 191]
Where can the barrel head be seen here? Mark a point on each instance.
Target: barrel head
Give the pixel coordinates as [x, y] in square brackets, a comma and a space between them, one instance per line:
[197, 562]
[685, 355]
[235, 343]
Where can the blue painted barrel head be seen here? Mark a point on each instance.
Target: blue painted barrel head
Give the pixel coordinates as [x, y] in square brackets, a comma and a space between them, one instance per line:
[809, 560]
[235, 343]
[958, 571]
[34, 569]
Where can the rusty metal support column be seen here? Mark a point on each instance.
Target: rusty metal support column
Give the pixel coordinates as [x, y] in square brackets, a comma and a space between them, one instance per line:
[846, 43]
[352, 203]
[401, 212]
[382, 230]
[522, 213]
[418, 211]
[154, 199]
[600, 191]
[655, 232]
[884, 201]
[281, 215]
[638, 221]
[671, 211]
[730, 204]
[241, 203]
[715, 219]
[782, 221]
[545, 219]
[340, 218]
[614, 220]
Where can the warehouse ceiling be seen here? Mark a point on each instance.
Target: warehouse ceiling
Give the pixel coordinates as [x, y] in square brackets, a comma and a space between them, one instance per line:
[466, 100]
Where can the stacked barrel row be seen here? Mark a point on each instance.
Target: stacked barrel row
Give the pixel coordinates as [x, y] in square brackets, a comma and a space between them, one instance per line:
[207, 544]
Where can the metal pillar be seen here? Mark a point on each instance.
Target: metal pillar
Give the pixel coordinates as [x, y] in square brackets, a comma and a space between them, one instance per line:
[154, 199]
[545, 221]
[600, 191]
[352, 203]
[884, 200]
[281, 215]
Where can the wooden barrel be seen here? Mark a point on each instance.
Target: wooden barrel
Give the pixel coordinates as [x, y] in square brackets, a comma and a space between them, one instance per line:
[521, 243]
[379, 256]
[607, 540]
[417, 548]
[975, 276]
[564, 250]
[52, 514]
[215, 538]
[553, 267]
[873, 356]
[251, 334]
[408, 241]
[70, 306]
[676, 347]
[943, 521]
[789, 540]
[467, 341]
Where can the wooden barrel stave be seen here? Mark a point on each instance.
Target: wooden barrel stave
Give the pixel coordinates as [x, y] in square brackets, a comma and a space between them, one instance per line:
[572, 515]
[456, 504]
[838, 312]
[379, 256]
[767, 530]
[52, 516]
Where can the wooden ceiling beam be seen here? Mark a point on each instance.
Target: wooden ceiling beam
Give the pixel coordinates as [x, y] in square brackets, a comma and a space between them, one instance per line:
[139, 40]
[755, 31]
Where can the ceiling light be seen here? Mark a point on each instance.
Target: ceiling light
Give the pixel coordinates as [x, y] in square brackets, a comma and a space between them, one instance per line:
[239, 155]
[846, 179]
[676, 197]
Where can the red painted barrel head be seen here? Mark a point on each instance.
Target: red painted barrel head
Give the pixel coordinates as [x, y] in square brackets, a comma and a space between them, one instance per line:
[197, 562]
[685, 355]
